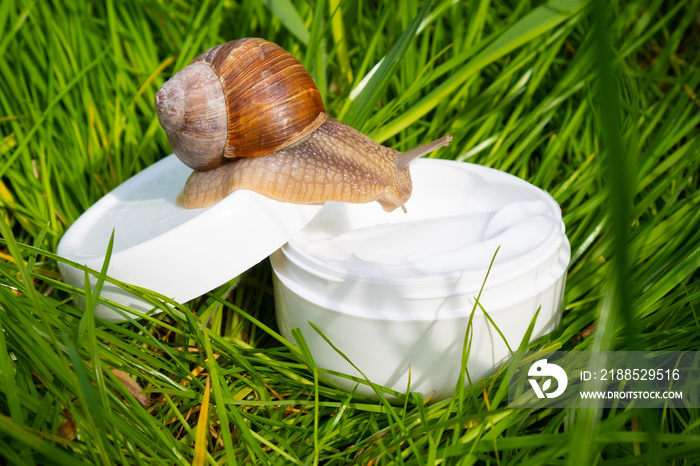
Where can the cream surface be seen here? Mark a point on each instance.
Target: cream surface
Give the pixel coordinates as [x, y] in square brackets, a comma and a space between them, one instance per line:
[452, 226]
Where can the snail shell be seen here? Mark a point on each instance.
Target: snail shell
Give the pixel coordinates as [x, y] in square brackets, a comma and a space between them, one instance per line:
[247, 115]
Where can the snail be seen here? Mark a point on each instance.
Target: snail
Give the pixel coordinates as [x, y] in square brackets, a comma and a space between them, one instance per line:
[247, 115]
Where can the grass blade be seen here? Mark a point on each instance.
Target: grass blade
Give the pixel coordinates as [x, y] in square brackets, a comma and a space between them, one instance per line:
[538, 22]
[288, 15]
[363, 104]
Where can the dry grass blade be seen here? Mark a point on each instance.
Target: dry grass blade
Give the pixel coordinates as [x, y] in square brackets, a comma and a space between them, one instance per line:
[202, 437]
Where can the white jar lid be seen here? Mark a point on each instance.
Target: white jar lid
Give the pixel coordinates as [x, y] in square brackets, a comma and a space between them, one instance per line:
[180, 253]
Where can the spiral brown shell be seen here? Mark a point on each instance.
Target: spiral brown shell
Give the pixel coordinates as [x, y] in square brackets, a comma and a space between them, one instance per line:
[244, 98]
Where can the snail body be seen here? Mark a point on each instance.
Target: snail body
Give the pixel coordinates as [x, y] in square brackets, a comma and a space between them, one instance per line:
[247, 115]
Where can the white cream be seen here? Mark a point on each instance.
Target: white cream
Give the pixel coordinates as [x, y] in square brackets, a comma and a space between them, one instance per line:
[439, 234]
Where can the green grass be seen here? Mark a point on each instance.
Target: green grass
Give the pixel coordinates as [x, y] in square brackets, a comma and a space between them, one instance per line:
[524, 87]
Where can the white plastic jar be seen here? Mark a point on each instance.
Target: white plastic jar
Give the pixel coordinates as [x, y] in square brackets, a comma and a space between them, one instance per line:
[395, 292]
